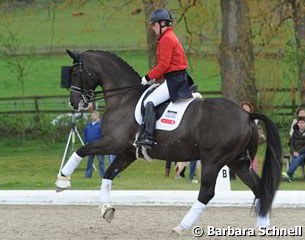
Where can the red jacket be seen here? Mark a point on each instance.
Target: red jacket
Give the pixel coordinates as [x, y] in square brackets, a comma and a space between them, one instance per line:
[170, 55]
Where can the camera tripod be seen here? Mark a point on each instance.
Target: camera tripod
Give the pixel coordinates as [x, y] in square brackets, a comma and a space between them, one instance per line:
[71, 141]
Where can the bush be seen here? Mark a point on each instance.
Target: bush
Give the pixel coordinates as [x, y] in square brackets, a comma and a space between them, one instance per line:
[37, 126]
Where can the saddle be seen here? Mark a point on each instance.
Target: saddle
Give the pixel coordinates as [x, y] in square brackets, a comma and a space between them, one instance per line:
[168, 114]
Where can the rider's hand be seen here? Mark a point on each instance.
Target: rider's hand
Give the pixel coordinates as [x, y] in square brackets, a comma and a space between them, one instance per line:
[144, 81]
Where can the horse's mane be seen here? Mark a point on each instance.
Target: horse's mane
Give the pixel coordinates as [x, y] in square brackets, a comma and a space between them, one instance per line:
[117, 59]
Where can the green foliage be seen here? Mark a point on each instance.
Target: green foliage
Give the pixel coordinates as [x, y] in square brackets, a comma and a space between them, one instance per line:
[292, 59]
[37, 126]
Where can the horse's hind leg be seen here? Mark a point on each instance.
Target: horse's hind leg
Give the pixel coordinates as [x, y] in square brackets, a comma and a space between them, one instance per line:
[247, 175]
[253, 181]
[209, 175]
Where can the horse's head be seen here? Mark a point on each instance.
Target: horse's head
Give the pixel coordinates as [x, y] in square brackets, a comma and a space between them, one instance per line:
[93, 68]
[81, 87]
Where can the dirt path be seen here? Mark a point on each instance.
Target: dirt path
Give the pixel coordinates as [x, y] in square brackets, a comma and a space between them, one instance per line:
[131, 223]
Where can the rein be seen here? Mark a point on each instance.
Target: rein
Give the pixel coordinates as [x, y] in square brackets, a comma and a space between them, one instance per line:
[114, 90]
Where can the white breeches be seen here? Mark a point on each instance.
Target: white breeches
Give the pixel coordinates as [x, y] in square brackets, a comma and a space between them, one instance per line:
[159, 95]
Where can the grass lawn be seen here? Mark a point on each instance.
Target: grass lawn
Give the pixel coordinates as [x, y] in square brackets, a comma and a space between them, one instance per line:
[43, 73]
[34, 165]
[110, 25]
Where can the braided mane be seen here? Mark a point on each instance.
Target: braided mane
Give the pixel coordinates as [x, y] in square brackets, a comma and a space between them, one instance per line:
[117, 59]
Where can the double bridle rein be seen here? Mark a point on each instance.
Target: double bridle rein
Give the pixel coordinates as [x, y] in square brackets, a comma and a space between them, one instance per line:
[89, 95]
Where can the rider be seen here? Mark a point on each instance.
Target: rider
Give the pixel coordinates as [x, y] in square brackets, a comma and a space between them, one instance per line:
[171, 65]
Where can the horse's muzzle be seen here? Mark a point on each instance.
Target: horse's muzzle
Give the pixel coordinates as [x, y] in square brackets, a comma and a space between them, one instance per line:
[83, 105]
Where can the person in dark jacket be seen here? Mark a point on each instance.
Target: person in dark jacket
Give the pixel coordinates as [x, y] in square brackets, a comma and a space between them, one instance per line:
[93, 132]
[294, 126]
[297, 149]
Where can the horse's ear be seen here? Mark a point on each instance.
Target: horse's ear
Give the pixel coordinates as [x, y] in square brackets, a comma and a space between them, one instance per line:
[74, 56]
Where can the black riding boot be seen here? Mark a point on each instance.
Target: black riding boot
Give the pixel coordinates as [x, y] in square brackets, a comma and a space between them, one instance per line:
[147, 128]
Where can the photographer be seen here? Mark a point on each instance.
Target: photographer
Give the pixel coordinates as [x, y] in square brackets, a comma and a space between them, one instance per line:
[93, 132]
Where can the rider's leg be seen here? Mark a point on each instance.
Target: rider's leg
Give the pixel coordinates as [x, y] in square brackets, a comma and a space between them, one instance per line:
[160, 95]
[148, 126]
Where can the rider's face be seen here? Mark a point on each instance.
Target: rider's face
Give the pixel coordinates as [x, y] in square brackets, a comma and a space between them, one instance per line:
[156, 27]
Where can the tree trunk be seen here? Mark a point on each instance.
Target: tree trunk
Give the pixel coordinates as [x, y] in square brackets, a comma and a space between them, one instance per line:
[236, 57]
[298, 7]
[149, 7]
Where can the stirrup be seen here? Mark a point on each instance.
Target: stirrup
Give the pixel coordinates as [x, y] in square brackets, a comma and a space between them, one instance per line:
[146, 143]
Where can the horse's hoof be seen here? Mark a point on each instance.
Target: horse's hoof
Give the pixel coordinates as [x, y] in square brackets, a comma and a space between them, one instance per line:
[62, 183]
[58, 189]
[178, 229]
[107, 212]
[263, 221]
[109, 215]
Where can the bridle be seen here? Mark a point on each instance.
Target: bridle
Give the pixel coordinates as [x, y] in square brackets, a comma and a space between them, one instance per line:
[87, 95]
[90, 95]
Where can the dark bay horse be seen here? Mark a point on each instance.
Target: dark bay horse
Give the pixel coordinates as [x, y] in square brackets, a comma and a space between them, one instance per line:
[216, 131]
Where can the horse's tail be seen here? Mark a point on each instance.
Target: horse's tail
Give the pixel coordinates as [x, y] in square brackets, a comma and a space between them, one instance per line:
[271, 175]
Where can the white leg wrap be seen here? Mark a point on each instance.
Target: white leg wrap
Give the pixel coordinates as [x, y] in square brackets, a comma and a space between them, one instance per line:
[193, 215]
[71, 164]
[105, 191]
[262, 221]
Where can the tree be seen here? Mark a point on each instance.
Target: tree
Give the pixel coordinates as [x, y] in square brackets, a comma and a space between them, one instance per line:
[149, 7]
[11, 45]
[298, 8]
[236, 57]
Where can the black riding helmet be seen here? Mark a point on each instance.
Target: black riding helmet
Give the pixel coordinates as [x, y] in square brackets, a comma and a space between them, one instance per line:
[161, 14]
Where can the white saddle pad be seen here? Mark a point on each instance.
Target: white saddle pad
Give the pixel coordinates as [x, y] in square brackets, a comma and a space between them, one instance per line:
[172, 115]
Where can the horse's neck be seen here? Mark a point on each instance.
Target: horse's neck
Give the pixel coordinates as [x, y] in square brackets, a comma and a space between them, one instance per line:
[128, 97]
[119, 82]
[121, 108]
[121, 95]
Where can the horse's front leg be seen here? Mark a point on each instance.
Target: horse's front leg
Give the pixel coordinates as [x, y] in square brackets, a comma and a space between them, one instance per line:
[63, 179]
[119, 164]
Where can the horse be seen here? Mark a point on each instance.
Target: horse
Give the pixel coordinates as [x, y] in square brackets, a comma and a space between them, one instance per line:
[215, 130]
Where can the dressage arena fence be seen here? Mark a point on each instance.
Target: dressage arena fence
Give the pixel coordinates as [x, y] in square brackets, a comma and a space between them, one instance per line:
[58, 104]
